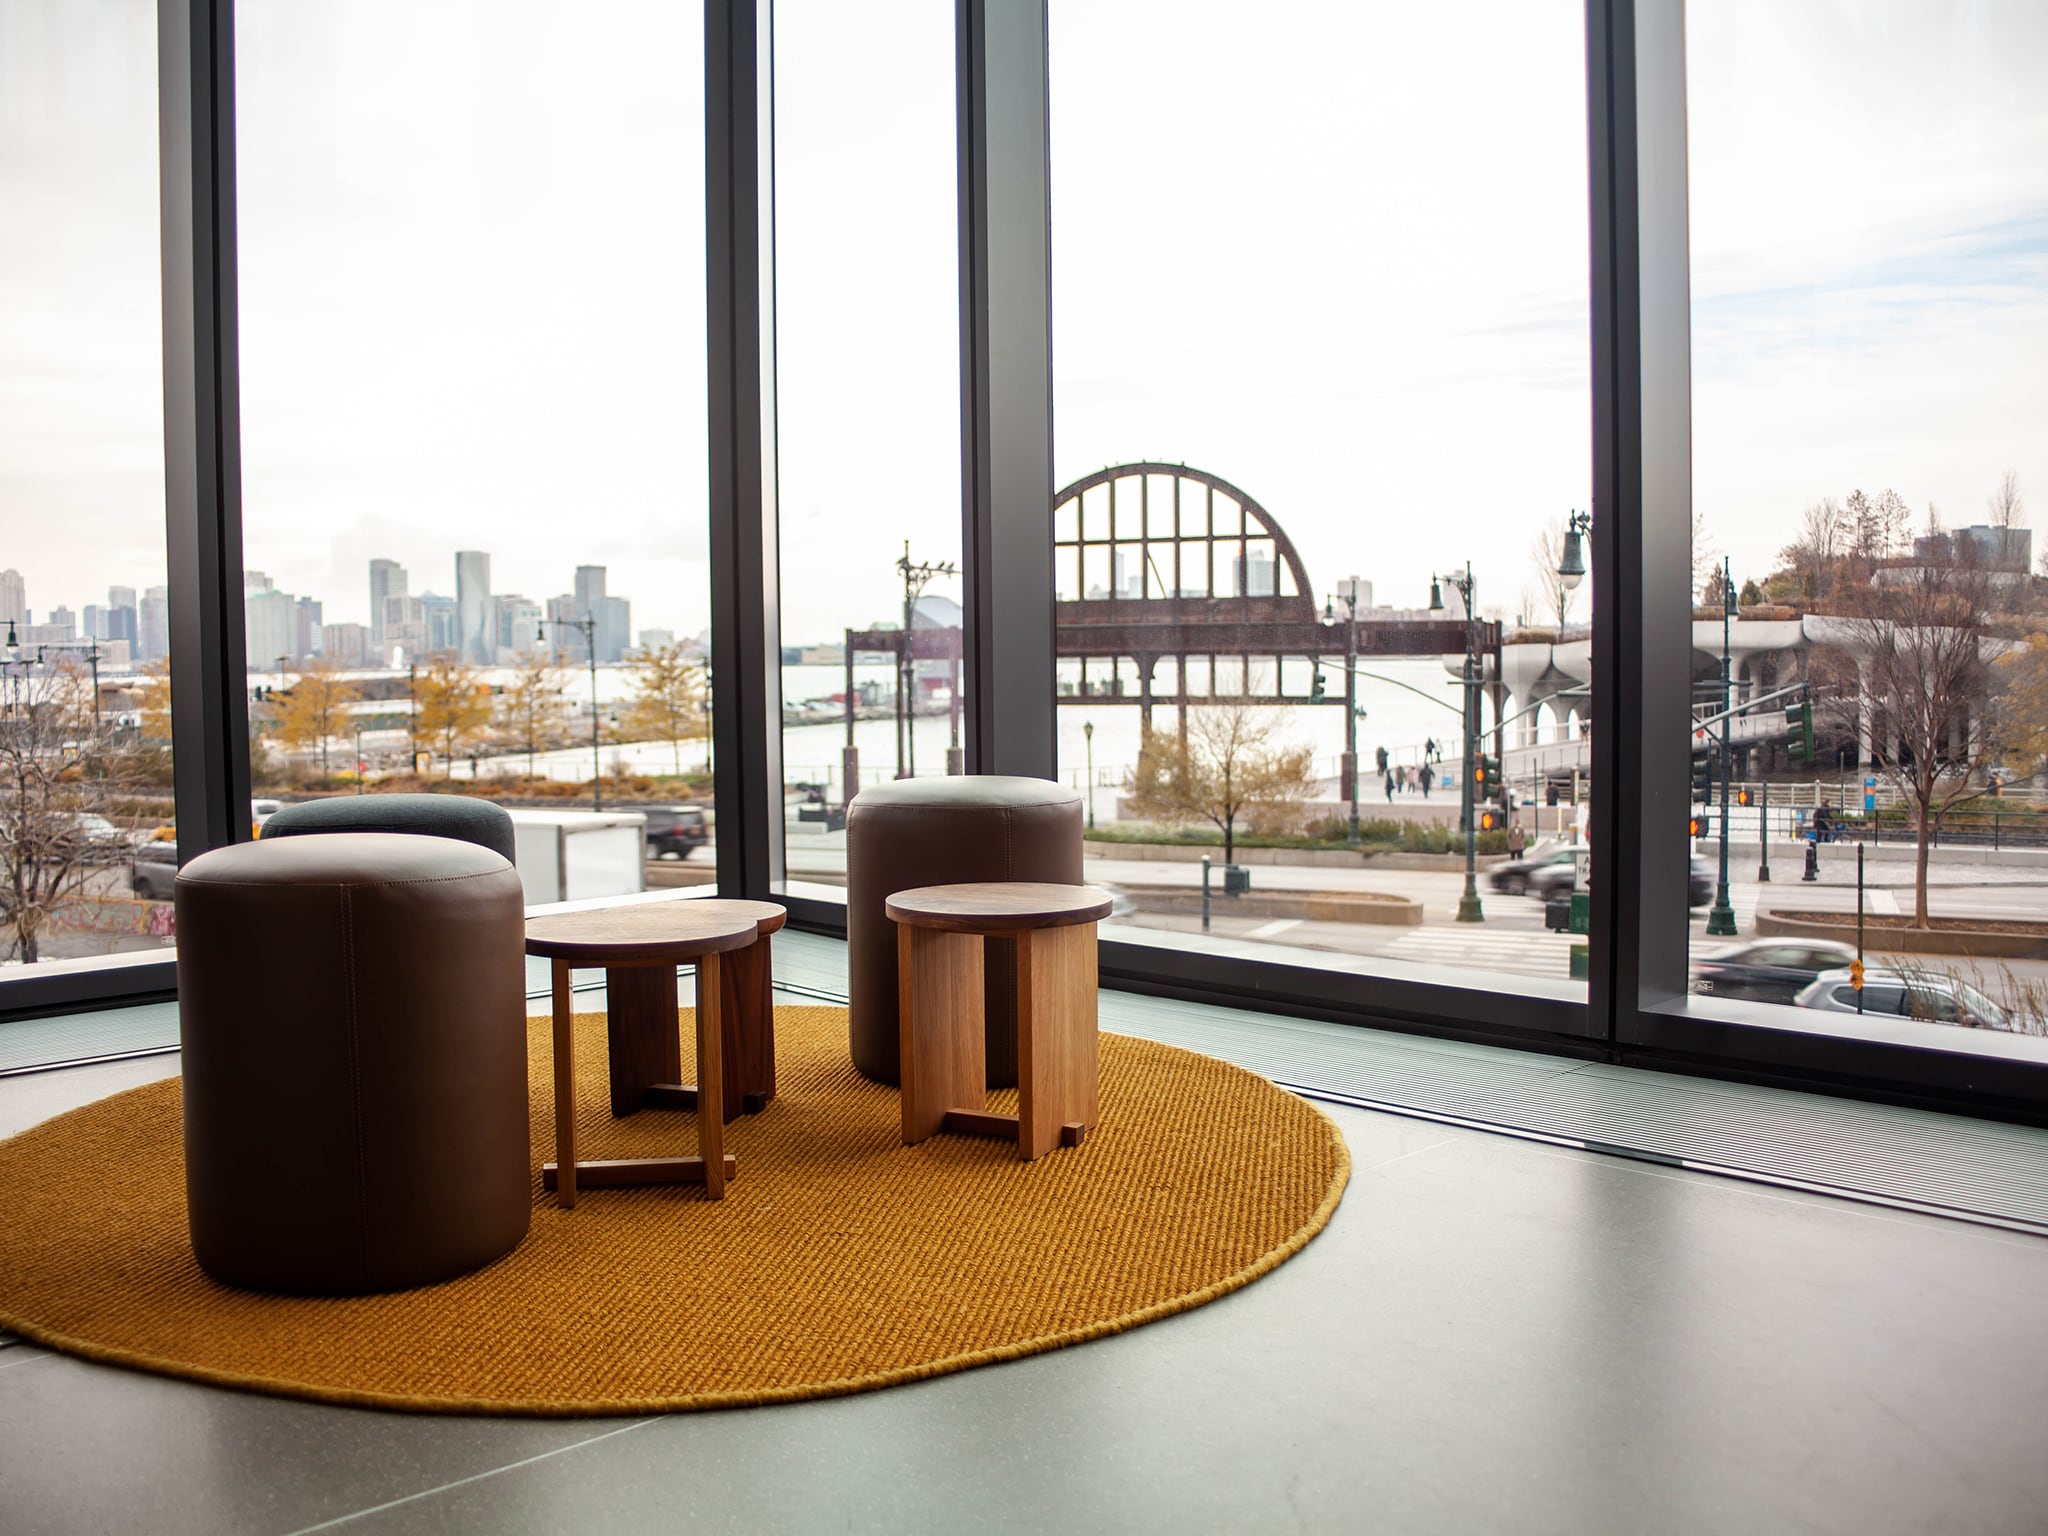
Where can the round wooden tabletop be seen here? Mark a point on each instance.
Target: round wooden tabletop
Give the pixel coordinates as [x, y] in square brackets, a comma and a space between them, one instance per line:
[768, 916]
[651, 933]
[998, 906]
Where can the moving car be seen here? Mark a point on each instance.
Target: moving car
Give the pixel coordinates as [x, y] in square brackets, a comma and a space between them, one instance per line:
[1543, 872]
[153, 871]
[1939, 999]
[1767, 970]
[104, 842]
[673, 831]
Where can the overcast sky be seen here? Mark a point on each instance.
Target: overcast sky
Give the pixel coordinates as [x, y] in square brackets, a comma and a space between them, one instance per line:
[1335, 253]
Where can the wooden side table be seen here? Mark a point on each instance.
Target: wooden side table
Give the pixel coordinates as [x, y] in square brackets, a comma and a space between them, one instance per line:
[747, 1008]
[939, 934]
[643, 942]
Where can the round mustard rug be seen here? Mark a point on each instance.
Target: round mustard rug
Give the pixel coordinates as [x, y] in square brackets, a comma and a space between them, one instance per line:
[839, 1260]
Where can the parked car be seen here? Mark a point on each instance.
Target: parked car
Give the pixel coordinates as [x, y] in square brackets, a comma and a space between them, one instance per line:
[1700, 885]
[153, 870]
[261, 811]
[1545, 871]
[1767, 970]
[673, 831]
[1925, 995]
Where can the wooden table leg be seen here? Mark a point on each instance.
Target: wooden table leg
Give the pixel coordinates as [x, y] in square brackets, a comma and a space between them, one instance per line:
[939, 1024]
[710, 1077]
[640, 1025]
[565, 1088]
[749, 1003]
[1057, 1092]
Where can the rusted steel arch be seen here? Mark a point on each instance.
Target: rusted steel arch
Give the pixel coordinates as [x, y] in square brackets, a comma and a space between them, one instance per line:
[1254, 512]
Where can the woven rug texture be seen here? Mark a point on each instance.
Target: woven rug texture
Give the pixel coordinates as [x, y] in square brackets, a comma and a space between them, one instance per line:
[839, 1260]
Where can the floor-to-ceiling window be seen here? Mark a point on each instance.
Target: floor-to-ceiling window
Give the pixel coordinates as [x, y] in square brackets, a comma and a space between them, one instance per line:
[868, 412]
[1869, 241]
[473, 404]
[86, 815]
[1322, 436]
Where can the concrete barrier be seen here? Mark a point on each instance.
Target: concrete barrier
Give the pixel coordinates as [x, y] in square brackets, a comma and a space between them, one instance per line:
[1885, 939]
[1313, 906]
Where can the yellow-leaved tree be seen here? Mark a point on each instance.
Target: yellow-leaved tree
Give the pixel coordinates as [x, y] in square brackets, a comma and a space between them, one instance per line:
[1230, 767]
[454, 706]
[668, 700]
[315, 707]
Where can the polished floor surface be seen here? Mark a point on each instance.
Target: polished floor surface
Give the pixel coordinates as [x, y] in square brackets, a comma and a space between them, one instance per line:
[1492, 1335]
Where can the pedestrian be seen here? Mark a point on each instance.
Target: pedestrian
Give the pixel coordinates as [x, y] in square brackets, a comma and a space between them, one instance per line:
[1390, 782]
[1428, 778]
[1380, 757]
[1518, 840]
[1428, 748]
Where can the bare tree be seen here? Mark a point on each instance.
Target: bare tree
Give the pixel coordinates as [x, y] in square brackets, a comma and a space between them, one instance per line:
[53, 774]
[1706, 559]
[1919, 645]
[1822, 541]
[2007, 508]
[1877, 524]
[1229, 768]
[1551, 591]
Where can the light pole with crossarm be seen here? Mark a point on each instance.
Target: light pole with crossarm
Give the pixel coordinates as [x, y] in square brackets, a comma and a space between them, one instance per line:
[1469, 910]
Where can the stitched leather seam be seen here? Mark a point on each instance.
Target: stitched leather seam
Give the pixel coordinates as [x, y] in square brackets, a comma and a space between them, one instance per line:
[355, 1076]
[347, 885]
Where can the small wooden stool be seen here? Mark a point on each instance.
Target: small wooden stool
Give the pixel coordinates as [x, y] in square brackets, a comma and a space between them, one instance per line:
[939, 936]
[651, 940]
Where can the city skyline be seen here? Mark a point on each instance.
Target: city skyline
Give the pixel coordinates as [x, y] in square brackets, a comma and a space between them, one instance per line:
[1398, 367]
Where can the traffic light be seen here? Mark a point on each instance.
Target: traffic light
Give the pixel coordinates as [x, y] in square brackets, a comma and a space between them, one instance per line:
[1701, 825]
[1315, 692]
[1856, 974]
[1703, 778]
[1799, 732]
[1493, 819]
[1485, 777]
[1745, 797]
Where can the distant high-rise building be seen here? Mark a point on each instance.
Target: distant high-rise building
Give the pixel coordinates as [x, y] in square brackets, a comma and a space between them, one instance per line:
[65, 620]
[306, 627]
[1254, 575]
[13, 598]
[657, 639]
[95, 624]
[346, 645]
[153, 624]
[563, 638]
[256, 581]
[614, 629]
[121, 617]
[589, 590]
[268, 628]
[473, 604]
[443, 618]
[387, 580]
[515, 620]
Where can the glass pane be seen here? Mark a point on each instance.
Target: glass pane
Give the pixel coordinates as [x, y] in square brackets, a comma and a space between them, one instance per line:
[1376, 362]
[1869, 211]
[87, 849]
[868, 403]
[473, 416]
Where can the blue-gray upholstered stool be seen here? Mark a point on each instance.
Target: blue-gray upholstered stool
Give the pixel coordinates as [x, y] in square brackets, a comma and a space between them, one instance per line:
[456, 816]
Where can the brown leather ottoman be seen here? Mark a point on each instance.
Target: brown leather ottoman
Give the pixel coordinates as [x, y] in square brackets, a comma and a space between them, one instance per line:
[946, 831]
[353, 1015]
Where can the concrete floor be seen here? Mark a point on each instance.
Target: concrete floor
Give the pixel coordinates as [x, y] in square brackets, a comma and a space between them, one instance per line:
[1491, 1335]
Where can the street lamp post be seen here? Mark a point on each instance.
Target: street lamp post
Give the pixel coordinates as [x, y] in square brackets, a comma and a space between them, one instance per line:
[915, 578]
[588, 629]
[1349, 770]
[1721, 916]
[1469, 910]
[1088, 742]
